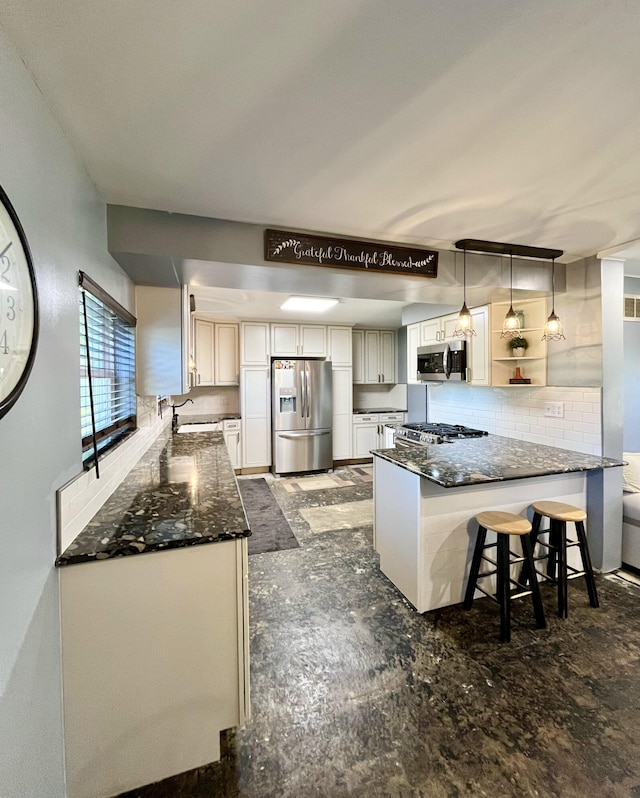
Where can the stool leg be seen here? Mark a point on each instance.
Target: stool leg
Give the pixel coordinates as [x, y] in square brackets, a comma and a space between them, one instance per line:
[553, 552]
[586, 564]
[503, 591]
[527, 550]
[533, 536]
[561, 535]
[475, 568]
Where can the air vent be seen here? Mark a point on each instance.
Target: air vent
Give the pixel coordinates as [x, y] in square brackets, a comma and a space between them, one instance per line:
[631, 308]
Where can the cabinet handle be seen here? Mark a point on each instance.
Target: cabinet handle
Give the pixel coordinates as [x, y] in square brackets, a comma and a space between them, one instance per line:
[198, 379]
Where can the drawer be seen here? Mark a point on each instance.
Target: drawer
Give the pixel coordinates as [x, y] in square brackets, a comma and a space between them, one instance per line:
[394, 417]
[231, 424]
[370, 418]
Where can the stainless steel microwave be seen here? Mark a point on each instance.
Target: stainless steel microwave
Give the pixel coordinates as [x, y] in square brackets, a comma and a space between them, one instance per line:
[443, 361]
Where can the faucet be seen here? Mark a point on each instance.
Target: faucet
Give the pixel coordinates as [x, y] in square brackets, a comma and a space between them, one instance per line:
[174, 417]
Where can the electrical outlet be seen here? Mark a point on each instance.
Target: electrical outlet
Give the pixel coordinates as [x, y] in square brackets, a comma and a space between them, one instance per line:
[554, 409]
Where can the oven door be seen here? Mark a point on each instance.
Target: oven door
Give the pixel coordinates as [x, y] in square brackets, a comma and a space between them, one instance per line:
[401, 442]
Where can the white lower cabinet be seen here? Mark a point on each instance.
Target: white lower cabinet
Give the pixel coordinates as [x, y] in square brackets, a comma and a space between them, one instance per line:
[368, 431]
[128, 687]
[231, 430]
[255, 409]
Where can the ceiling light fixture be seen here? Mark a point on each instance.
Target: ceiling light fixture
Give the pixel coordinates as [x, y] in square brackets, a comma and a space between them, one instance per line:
[464, 325]
[308, 304]
[553, 328]
[511, 323]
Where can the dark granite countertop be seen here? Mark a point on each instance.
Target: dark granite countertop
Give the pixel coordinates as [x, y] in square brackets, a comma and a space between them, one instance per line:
[182, 492]
[490, 459]
[359, 410]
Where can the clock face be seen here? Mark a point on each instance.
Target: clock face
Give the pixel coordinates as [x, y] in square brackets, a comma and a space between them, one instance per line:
[18, 307]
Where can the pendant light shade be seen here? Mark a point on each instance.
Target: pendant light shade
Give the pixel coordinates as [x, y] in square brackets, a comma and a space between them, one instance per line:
[553, 328]
[464, 325]
[511, 323]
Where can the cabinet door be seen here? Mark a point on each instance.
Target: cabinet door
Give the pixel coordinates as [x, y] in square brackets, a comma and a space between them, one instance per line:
[204, 351]
[448, 326]
[339, 347]
[256, 426]
[232, 442]
[342, 391]
[387, 356]
[254, 343]
[413, 342]
[284, 340]
[313, 340]
[342, 436]
[357, 339]
[430, 332]
[365, 438]
[478, 348]
[372, 370]
[226, 354]
[160, 368]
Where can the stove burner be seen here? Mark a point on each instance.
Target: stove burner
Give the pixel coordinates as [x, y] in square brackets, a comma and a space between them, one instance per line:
[447, 430]
[423, 433]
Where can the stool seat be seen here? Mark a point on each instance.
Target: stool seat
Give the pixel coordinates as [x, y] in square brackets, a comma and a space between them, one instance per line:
[504, 523]
[559, 511]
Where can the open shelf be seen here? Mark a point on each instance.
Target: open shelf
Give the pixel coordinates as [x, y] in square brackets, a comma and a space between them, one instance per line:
[534, 364]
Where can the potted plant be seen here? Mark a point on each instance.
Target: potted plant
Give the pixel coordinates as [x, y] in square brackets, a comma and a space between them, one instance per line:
[518, 346]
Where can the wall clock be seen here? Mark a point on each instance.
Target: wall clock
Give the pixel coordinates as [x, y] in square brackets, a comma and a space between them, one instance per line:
[18, 307]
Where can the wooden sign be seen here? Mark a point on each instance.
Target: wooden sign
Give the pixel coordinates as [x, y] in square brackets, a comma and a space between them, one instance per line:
[288, 247]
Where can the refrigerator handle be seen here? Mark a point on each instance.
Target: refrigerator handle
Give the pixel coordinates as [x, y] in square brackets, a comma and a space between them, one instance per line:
[306, 391]
[303, 394]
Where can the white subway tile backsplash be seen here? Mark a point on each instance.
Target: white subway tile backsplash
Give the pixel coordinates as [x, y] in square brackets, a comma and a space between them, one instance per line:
[519, 413]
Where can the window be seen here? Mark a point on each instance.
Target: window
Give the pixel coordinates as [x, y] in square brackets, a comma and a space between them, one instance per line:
[107, 370]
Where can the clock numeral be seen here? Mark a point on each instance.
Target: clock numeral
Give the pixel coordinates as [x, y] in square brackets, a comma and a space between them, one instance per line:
[4, 346]
[4, 260]
[11, 308]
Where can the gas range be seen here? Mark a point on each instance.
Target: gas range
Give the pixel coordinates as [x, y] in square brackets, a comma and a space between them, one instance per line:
[422, 434]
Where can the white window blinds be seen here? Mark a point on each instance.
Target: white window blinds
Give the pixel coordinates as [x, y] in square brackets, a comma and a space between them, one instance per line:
[107, 370]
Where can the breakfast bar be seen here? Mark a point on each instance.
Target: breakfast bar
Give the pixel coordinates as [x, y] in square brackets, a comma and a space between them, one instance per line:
[426, 497]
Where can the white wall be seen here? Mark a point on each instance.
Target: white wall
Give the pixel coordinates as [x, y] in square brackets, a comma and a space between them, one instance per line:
[632, 374]
[64, 221]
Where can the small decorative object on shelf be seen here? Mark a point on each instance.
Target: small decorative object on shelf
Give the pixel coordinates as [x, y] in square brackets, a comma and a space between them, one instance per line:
[518, 379]
[520, 315]
[518, 346]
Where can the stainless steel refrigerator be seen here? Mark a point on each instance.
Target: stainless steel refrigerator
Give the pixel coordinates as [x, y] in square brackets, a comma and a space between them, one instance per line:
[302, 410]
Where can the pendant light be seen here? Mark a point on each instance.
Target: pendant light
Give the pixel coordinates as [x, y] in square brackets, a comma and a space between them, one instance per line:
[464, 325]
[511, 323]
[553, 328]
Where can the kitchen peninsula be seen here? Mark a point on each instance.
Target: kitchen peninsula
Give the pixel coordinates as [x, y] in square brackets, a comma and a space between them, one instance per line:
[154, 613]
[426, 498]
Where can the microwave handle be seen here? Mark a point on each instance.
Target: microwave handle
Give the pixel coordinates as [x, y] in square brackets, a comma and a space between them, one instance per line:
[446, 361]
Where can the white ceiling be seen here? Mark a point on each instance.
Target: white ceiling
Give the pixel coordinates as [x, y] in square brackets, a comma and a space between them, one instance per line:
[421, 121]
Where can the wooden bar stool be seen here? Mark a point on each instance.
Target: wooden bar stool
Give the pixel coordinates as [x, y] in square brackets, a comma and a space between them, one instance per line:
[505, 525]
[559, 514]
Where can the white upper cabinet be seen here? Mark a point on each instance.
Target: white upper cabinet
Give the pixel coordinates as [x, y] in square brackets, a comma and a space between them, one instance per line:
[162, 340]
[440, 330]
[339, 345]
[298, 340]
[374, 357]
[254, 343]
[216, 352]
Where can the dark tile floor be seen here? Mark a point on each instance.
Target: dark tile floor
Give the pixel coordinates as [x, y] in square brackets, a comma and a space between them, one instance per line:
[356, 694]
